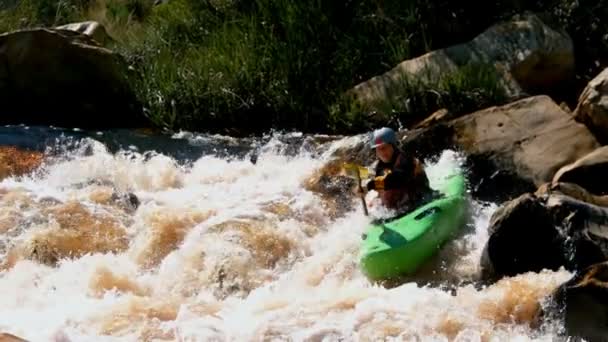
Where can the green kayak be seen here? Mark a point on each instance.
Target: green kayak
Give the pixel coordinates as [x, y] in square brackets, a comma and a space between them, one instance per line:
[399, 246]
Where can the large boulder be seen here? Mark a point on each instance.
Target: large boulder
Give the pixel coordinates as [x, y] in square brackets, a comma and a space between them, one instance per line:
[589, 172]
[582, 304]
[531, 139]
[592, 108]
[521, 238]
[528, 53]
[63, 78]
[532, 233]
[511, 149]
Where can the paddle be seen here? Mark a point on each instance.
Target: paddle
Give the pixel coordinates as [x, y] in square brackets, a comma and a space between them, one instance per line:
[358, 172]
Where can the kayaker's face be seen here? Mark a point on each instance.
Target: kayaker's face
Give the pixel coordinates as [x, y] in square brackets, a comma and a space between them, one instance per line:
[385, 152]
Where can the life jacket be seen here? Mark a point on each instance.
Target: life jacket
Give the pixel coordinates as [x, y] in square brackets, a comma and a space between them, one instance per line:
[415, 189]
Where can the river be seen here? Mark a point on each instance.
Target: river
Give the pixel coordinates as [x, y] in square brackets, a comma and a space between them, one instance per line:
[192, 237]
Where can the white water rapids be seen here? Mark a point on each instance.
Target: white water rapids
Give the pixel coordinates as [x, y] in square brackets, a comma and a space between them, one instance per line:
[223, 249]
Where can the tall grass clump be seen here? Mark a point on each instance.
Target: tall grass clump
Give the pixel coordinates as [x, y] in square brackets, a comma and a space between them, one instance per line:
[467, 89]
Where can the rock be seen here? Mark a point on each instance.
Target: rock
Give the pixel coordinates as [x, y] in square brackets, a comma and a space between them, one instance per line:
[529, 54]
[532, 233]
[438, 116]
[127, 201]
[429, 141]
[571, 190]
[17, 162]
[589, 172]
[511, 149]
[92, 29]
[582, 304]
[335, 189]
[50, 77]
[592, 107]
[517, 232]
[532, 137]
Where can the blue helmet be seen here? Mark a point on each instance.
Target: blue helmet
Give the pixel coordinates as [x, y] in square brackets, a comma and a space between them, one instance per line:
[383, 135]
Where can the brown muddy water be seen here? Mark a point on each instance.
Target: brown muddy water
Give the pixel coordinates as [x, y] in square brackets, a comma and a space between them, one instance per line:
[110, 242]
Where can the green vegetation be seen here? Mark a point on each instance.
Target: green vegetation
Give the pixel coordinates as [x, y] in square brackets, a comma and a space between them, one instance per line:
[245, 66]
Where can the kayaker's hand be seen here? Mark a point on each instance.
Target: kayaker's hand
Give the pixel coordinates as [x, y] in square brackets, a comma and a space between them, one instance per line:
[375, 184]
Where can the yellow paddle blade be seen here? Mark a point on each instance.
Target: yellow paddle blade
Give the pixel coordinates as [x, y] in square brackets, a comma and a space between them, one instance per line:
[351, 170]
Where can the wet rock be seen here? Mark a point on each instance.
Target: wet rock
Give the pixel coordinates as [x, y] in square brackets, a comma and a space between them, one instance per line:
[530, 55]
[335, 189]
[589, 172]
[63, 78]
[518, 231]
[17, 162]
[532, 233]
[92, 29]
[582, 304]
[127, 201]
[530, 138]
[572, 190]
[510, 149]
[430, 141]
[592, 107]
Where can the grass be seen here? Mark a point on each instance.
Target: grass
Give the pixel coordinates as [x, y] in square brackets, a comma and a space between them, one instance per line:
[471, 87]
[241, 66]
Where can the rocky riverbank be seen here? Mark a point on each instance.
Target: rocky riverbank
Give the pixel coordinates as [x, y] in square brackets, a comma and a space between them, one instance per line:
[174, 65]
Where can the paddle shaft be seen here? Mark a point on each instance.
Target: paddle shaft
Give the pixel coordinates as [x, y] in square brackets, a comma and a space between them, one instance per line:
[361, 194]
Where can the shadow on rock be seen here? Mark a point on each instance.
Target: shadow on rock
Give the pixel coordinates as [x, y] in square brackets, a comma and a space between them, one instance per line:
[581, 305]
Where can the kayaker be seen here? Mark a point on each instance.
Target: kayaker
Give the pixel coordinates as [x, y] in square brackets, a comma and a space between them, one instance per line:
[400, 178]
